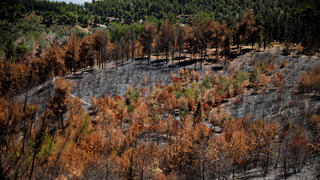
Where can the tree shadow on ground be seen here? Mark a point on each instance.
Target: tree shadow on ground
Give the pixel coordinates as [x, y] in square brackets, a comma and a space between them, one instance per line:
[159, 61]
[180, 58]
[211, 60]
[217, 68]
[140, 59]
[124, 63]
[245, 50]
[76, 76]
[187, 62]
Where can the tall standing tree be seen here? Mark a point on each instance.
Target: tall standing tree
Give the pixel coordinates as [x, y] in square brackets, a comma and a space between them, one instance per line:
[86, 52]
[191, 42]
[130, 42]
[227, 44]
[59, 104]
[201, 33]
[17, 130]
[145, 159]
[147, 37]
[173, 43]
[71, 56]
[167, 37]
[218, 36]
[117, 52]
[54, 63]
[246, 30]
[133, 42]
[180, 39]
[100, 47]
[127, 44]
[157, 45]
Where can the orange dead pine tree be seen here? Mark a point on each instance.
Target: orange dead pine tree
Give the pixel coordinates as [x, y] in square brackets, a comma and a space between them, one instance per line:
[147, 37]
[100, 47]
[167, 37]
[54, 62]
[86, 52]
[71, 55]
[59, 104]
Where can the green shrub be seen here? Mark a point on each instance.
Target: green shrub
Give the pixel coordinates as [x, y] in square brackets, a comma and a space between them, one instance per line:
[253, 75]
[133, 94]
[178, 94]
[220, 92]
[227, 118]
[155, 117]
[47, 148]
[224, 83]
[196, 93]
[130, 108]
[84, 125]
[241, 77]
[205, 83]
[22, 49]
[188, 92]
[183, 113]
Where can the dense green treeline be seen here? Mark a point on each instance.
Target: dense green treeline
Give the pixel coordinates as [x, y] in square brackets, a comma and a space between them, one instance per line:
[276, 12]
[288, 21]
[280, 19]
